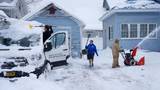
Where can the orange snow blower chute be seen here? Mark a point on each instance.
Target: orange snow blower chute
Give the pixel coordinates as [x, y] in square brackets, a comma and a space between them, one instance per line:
[129, 58]
[141, 61]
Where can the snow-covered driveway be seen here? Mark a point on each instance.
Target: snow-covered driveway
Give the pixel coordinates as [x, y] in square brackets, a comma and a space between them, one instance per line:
[78, 76]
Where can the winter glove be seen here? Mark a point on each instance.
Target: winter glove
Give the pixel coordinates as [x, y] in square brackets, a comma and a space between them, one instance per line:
[121, 50]
[97, 54]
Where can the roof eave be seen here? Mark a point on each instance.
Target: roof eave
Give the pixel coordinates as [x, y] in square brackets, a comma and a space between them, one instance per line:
[111, 12]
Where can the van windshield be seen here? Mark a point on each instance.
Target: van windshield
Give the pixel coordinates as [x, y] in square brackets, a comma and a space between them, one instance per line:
[26, 41]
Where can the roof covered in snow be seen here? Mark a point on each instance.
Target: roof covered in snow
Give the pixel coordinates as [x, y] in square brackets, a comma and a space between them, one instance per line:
[87, 11]
[133, 4]
[8, 3]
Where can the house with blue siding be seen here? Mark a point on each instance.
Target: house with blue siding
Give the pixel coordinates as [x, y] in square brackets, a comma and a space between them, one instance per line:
[14, 8]
[131, 21]
[51, 13]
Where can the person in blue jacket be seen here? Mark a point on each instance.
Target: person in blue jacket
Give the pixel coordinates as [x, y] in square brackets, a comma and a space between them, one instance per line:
[91, 50]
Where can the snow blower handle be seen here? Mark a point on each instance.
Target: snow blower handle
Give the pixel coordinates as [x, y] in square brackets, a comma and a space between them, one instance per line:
[122, 53]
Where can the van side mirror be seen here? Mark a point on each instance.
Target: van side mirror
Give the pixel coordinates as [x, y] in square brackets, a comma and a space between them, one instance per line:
[47, 46]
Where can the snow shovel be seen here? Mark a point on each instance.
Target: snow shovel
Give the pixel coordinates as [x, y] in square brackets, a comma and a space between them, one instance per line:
[31, 26]
[84, 51]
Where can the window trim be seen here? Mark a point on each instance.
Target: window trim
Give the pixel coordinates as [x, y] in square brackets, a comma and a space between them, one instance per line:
[130, 30]
[121, 31]
[138, 30]
[143, 32]
[156, 37]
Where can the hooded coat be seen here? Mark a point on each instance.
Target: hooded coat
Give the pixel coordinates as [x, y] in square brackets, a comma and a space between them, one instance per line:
[115, 53]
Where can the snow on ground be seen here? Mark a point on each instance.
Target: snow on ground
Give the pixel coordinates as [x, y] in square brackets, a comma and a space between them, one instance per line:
[78, 76]
[28, 84]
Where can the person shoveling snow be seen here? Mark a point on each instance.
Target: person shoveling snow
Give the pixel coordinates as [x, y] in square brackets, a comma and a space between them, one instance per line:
[91, 50]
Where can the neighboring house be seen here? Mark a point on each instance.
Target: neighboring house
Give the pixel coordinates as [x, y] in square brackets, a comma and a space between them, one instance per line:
[14, 8]
[131, 21]
[51, 13]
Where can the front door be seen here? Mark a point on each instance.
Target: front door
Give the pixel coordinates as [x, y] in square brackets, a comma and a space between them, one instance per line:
[60, 47]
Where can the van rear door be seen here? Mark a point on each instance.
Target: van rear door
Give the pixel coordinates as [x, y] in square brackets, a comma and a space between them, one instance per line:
[60, 47]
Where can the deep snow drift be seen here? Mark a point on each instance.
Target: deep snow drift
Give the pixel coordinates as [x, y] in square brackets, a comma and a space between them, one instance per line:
[78, 76]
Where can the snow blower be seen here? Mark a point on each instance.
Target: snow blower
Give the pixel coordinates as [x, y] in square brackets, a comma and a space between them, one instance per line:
[129, 58]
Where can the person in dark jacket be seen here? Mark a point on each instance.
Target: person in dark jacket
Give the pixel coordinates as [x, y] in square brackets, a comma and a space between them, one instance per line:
[91, 50]
[47, 32]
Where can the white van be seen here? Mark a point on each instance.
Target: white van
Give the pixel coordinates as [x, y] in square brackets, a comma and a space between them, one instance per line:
[22, 50]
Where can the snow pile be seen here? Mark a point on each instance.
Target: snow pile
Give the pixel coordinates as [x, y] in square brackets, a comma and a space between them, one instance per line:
[130, 4]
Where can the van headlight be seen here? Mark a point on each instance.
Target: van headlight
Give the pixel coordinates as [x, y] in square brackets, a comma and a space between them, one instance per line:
[36, 57]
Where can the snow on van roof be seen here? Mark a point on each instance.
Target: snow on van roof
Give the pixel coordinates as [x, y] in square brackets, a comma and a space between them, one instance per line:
[136, 4]
[27, 27]
[87, 11]
[19, 28]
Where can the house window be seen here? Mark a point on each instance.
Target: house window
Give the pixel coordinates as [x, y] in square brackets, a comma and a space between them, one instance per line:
[152, 27]
[133, 30]
[110, 32]
[143, 30]
[124, 32]
[137, 30]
